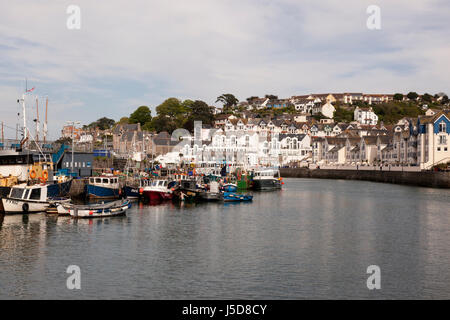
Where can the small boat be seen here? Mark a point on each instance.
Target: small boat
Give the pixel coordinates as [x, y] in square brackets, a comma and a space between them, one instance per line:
[103, 187]
[159, 190]
[267, 179]
[213, 194]
[232, 196]
[98, 210]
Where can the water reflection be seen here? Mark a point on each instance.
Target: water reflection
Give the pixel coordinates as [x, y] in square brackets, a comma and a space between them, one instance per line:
[313, 239]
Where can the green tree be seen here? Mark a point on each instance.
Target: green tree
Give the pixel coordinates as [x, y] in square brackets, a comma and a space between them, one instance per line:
[444, 99]
[342, 114]
[173, 112]
[199, 111]
[398, 96]
[105, 123]
[427, 97]
[228, 100]
[271, 97]
[124, 120]
[412, 95]
[141, 115]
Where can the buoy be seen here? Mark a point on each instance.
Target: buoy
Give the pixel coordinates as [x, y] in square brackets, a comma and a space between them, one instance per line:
[45, 174]
[32, 174]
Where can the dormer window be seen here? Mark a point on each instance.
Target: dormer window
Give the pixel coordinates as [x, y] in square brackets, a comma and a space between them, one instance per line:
[442, 127]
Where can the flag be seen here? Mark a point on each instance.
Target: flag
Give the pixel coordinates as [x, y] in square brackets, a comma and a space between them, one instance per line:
[30, 89]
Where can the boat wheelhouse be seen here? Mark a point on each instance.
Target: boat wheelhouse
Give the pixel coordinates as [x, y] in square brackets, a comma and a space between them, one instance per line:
[159, 190]
[102, 187]
[266, 179]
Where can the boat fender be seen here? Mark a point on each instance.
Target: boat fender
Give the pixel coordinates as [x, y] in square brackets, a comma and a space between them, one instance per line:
[45, 174]
[25, 207]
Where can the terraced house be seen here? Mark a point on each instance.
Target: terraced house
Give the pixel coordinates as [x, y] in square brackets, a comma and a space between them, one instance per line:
[433, 139]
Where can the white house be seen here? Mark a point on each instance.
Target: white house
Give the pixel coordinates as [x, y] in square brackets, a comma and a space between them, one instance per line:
[433, 146]
[365, 116]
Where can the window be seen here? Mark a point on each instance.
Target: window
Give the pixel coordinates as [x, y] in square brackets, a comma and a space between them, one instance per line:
[35, 194]
[442, 140]
[105, 180]
[442, 127]
[98, 180]
[438, 149]
[17, 193]
[91, 180]
[25, 196]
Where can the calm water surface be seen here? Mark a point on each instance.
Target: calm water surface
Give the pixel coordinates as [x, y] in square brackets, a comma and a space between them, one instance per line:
[314, 239]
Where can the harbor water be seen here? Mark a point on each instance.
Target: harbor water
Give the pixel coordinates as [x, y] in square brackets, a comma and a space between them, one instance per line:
[313, 239]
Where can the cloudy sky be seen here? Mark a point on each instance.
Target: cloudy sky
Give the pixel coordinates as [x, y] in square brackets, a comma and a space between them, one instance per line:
[132, 53]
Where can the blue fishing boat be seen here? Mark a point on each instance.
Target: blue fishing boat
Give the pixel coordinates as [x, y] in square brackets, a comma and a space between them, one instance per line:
[105, 187]
[231, 196]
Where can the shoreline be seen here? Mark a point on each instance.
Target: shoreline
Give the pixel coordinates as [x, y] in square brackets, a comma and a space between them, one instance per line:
[429, 179]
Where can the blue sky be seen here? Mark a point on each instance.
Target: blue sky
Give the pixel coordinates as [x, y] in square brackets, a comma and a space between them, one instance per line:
[127, 54]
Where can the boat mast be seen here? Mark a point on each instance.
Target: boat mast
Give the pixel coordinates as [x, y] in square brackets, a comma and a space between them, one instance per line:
[25, 131]
[37, 120]
[45, 122]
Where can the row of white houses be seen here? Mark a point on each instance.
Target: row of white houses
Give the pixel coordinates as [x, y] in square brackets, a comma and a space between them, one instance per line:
[423, 142]
[420, 142]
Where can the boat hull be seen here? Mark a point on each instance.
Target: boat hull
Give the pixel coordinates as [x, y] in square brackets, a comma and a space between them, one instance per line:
[266, 184]
[96, 211]
[23, 206]
[157, 195]
[100, 192]
[234, 197]
[131, 192]
[211, 196]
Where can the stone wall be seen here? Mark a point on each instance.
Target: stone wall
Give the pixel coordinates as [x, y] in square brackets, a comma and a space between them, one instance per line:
[422, 178]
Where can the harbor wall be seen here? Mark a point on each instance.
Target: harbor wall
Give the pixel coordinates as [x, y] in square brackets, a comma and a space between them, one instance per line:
[422, 178]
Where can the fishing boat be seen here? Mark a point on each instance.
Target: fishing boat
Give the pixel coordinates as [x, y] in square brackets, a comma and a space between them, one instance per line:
[188, 191]
[98, 210]
[213, 194]
[103, 187]
[232, 196]
[27, 199]
[159, 190]
[266, 179]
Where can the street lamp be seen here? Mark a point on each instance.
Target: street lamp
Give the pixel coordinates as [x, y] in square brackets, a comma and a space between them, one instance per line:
[73, 123]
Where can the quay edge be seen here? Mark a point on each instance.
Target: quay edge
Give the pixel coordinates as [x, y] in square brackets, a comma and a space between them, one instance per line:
[429, 179]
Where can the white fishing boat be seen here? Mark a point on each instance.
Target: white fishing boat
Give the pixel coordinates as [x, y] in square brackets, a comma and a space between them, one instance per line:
[99, 210]
[27, 199]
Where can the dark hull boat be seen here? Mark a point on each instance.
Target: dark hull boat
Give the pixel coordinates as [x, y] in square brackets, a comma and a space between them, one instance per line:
[267, 184]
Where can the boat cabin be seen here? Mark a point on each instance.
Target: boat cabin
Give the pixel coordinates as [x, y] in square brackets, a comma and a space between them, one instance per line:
[105, 181]
[33, 193]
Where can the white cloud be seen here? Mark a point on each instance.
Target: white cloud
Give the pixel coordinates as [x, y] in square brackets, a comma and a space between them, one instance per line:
[144, 51]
